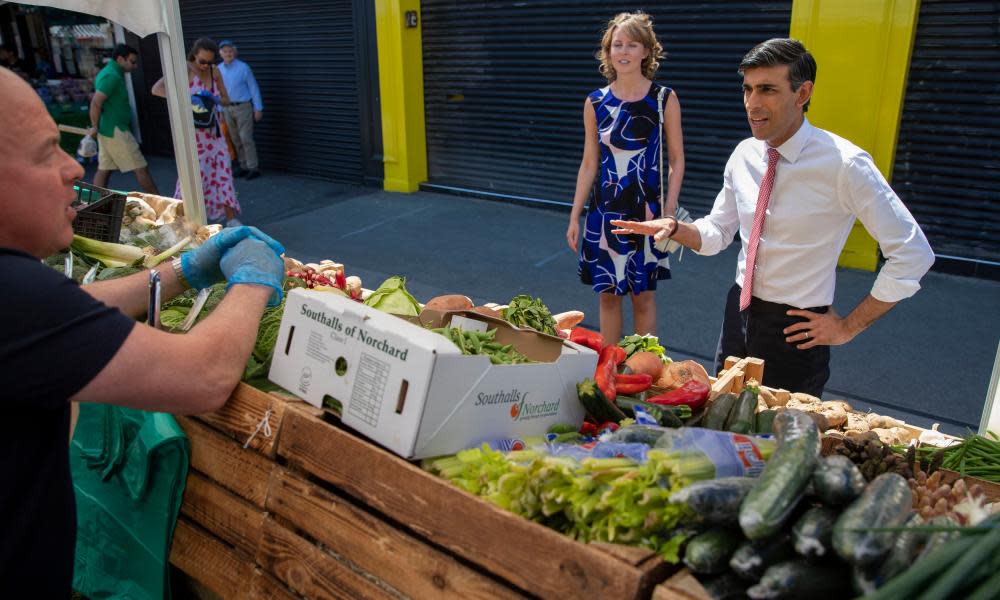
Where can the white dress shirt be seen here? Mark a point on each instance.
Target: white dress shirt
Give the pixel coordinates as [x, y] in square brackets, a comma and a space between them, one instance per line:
[822, 182]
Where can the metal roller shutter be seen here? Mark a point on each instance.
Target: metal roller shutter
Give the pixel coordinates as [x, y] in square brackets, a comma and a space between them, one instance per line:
[304, 55]
[947, 167]
[505, 83]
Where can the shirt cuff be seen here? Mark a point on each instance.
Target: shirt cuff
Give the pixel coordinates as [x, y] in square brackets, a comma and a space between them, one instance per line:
[888, 289]
[710, 237]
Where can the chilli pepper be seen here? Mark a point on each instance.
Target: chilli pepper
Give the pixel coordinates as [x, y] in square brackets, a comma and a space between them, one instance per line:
[607, 367]
[633, 383]
[588, 338]
[694, 393]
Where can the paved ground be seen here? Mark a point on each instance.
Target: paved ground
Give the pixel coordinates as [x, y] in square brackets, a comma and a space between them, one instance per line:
[929, 360]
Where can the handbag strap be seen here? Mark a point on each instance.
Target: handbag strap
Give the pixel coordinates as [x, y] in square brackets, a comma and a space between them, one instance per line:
[660, 111]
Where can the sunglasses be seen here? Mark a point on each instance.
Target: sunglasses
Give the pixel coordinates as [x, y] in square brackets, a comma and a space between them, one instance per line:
[204, 62]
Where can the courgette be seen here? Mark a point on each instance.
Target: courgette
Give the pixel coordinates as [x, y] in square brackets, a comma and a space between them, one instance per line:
[784, 478]
[709, 552]
[638, 434]
[837, 481]
[744, 411]
[812, 533]
[717, 501]
[937, 539]
[663, 415]
[765, 421]
[905, 549]
[718, 411]
[596, 403]
[798, 579]
[753, 558]
[727, 586]
[886, 502]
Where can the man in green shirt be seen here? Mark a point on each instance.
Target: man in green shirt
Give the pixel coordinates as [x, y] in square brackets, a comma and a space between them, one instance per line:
[111, 119]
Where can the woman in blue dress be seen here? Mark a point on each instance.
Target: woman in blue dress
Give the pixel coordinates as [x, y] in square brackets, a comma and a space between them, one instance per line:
[622, 145]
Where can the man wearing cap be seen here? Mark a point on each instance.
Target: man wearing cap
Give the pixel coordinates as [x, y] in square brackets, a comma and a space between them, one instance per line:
[245, 108]
[111, 119]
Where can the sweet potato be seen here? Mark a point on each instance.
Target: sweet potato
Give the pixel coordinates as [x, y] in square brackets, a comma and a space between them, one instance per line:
[450, 302]
[489, 312]
[676, 374]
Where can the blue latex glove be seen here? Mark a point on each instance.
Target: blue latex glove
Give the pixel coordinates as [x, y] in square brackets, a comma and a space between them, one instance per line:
[201, 266]
[255, 262]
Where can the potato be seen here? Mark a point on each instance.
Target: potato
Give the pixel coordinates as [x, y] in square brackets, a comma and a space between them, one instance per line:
[568, 319]
[450, 302]
[857, 422]
[645, 362]
[805, 398]
[881, 422]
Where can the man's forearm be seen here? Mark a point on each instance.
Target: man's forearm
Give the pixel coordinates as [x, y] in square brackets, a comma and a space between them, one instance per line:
[866, 313]
[687, 235]
[131, 294]
[95, 114]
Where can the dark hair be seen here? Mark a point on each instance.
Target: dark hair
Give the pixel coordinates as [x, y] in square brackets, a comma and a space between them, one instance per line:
[783, 51]
[203, 44]
[123, 51]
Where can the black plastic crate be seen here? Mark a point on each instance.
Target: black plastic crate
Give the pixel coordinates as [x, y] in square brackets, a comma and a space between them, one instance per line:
[99, 212]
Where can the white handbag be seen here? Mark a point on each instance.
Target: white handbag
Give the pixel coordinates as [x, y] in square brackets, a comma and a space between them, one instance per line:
[682, 215]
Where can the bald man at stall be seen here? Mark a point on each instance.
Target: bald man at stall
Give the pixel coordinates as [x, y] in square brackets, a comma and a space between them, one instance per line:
[61, 342]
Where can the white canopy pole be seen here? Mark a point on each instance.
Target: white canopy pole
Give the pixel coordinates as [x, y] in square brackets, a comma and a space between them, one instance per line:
[991, 412]
[175, 78]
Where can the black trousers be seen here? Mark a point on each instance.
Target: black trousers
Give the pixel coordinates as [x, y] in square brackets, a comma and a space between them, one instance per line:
[757, 332]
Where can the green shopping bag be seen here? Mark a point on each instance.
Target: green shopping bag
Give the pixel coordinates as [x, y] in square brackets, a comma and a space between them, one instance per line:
[129, 469]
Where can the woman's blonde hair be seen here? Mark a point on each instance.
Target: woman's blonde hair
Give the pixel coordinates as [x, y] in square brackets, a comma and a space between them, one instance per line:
[639, 27]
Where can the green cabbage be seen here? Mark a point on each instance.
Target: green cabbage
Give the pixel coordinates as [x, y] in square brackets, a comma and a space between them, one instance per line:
[392, 297]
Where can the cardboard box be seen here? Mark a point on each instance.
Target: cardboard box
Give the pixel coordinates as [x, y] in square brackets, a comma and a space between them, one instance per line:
[411, 389]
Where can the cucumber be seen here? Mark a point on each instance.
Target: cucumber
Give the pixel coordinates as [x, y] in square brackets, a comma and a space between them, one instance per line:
[938, 538]
[837, 481]
[765, 421]
[744, 410]
[886, 502]
[798, 579]
[663, 415]
[709, 552]
[717, 501]
[596, 403]
[785, 477]
[863, 582]
[638, 434]
[812, 533]
[717, 412]
[727, 586]
[904, 550]
[753, 558]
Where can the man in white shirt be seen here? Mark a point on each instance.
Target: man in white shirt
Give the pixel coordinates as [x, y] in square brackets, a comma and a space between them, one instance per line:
[810, 185]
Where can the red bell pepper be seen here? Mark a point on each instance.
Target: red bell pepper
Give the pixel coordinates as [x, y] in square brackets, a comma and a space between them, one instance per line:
[607, 367]
[586, 337]
[633, 383]
[694, 393]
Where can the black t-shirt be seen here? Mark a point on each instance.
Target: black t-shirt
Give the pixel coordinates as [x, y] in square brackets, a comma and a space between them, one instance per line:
[54, 339]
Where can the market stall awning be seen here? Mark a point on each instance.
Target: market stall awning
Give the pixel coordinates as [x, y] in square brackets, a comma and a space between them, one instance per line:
[162, 17]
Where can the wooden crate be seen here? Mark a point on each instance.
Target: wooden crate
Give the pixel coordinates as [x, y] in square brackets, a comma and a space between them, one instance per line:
[343, 518]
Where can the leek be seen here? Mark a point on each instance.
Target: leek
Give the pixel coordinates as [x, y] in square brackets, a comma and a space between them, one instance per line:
[123, 255]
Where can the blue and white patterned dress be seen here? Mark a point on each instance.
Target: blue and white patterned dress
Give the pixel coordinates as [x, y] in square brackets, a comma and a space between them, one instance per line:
[629, 189]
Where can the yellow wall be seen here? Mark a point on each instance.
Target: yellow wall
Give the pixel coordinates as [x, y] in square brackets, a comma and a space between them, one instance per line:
[862, 49]
[401, 85]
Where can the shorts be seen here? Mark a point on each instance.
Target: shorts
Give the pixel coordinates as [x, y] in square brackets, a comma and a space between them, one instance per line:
[120, 153]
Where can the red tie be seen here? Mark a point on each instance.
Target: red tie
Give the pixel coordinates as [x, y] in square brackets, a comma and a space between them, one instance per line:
[758, 223]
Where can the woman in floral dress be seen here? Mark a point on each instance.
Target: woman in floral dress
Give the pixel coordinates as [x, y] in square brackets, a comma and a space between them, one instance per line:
[213, 154]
